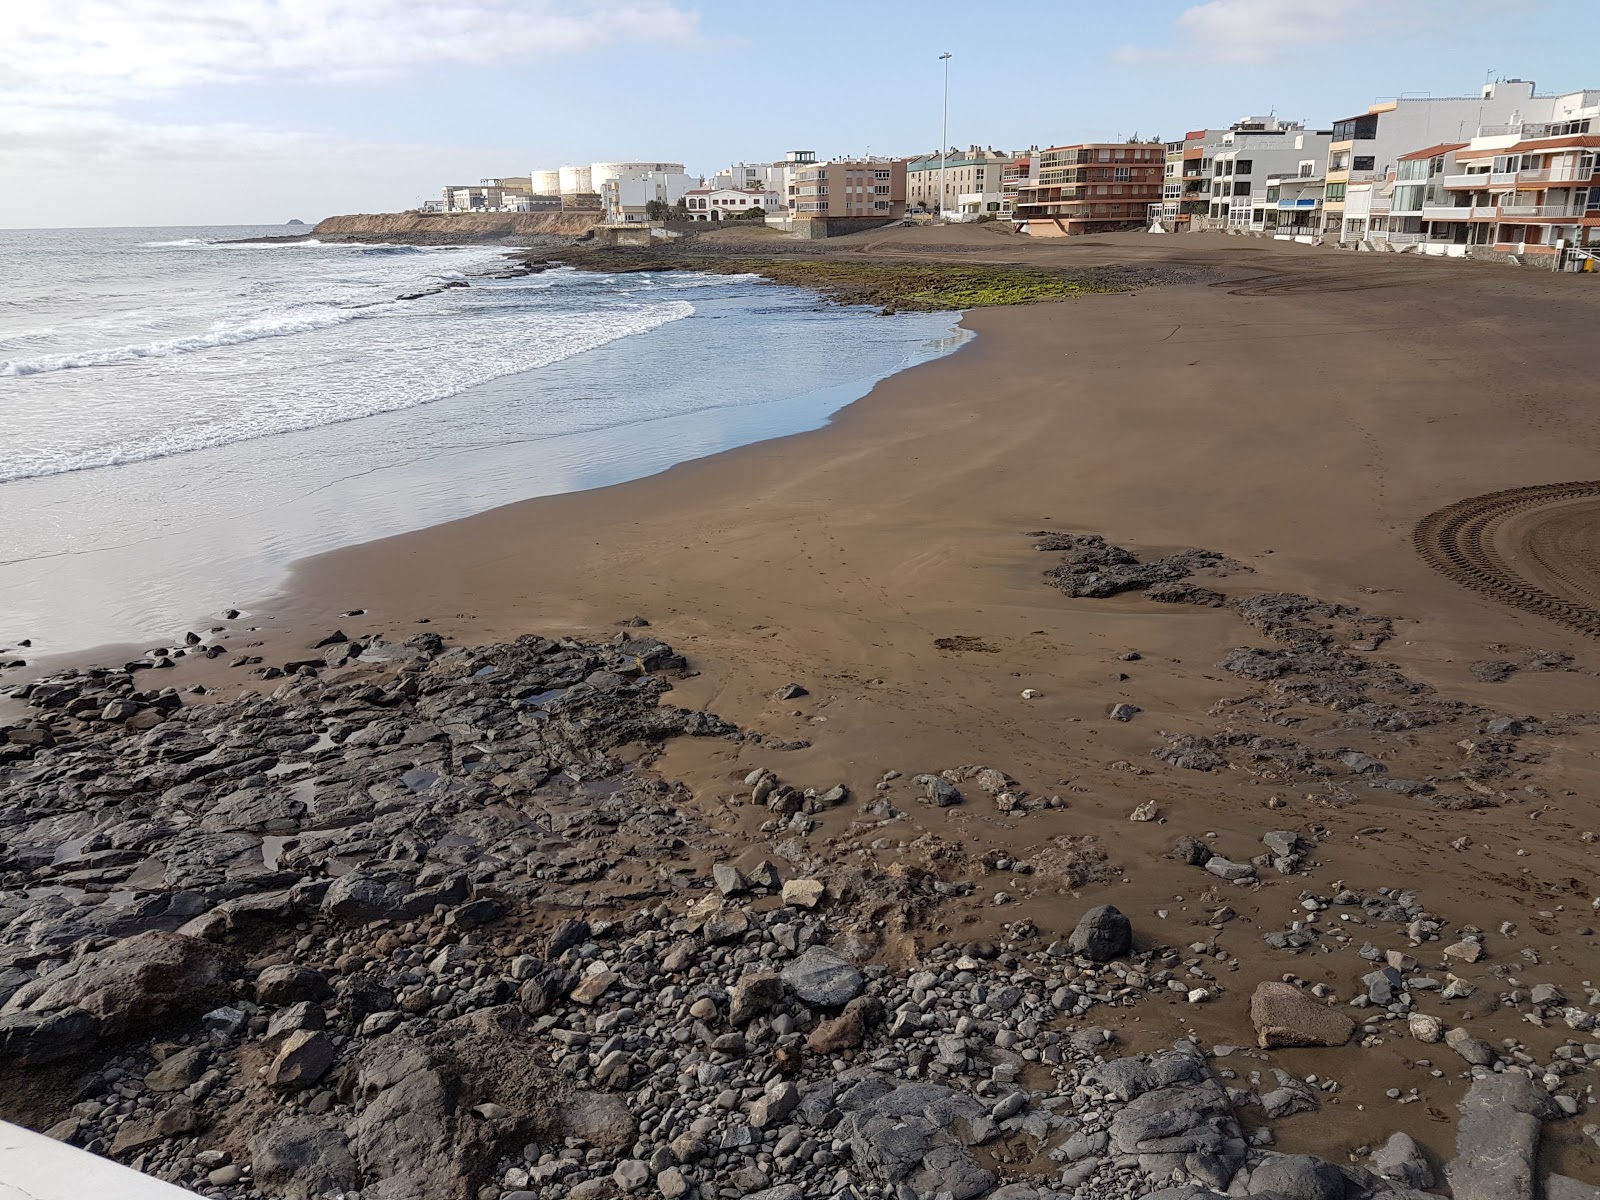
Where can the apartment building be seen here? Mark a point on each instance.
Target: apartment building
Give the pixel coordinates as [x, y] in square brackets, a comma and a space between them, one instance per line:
[1252, 156]
[1186, 179]
[1366, 147]
[627, 195]
[849, 193]
[489, 195]
[723, 204]
[1091, 188]
[1524, 189]
[974, 171]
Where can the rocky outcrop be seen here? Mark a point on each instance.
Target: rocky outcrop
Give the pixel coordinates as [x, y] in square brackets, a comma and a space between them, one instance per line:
[134, 982]
[415, 228]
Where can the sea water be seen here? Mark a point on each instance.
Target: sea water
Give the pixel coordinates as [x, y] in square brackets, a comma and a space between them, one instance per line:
[182, 416]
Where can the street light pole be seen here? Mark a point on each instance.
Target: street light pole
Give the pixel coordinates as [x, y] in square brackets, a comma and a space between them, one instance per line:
[944, 132]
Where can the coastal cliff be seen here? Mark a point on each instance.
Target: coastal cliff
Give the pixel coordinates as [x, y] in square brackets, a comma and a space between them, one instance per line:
[454, 228]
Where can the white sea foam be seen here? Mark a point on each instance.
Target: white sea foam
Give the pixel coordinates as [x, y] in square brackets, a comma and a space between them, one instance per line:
[484, 350]
[220, 334]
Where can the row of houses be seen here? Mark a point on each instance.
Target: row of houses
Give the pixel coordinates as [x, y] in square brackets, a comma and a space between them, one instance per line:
[1507, 173]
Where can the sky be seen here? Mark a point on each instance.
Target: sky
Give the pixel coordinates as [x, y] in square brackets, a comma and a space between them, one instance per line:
[211, 112]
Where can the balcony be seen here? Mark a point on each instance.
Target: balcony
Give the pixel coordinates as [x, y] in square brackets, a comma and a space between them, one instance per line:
[1523, 211]
[1450, 212]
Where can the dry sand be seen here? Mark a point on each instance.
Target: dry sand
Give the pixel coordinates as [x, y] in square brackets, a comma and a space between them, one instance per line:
[1299, 415]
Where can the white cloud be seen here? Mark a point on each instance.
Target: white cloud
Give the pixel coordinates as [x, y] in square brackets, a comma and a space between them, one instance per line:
[71, 69]
[1259, 31]
[121, 48]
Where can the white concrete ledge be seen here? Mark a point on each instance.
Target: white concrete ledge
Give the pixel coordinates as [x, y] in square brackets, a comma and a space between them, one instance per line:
[34, 1167]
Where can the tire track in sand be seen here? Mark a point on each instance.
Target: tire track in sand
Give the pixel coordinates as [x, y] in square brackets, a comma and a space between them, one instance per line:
[1560, 546]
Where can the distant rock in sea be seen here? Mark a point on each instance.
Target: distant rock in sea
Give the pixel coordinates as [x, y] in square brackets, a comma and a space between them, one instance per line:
[295, 221]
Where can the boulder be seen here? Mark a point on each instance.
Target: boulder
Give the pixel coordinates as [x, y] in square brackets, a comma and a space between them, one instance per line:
[1564, 1187]
[132, 983]
[1283, 1015]
[1402, 1160]
[286, 984]
[303, 1159]
[1497, 1138]
[753, 995]
[1297, 1177]
[824, 978]
[33, 1038]
[1102, 934]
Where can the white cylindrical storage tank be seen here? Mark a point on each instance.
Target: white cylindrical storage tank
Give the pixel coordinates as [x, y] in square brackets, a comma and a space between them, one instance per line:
[600, 172]
[575, 181]
[546, 183]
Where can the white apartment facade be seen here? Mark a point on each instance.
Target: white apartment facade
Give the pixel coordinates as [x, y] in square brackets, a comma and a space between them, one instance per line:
[724, 204]
[626, 199]
[1529, 190]
[1367, 147]
[977, 171]
[1247, 164]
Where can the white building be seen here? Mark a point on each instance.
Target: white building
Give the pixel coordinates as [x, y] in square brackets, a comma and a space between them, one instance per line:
[1367, 146]
[776, 176]
[627, 197]
[1526, 189]
[723, 204]
[1247, 163]
[977, 170]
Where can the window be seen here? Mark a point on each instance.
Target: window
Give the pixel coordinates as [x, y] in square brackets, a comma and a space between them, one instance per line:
[881, 189]
[1364, 162]
[1122, 173]
[1241, 188]
[880, 174]
[1243, 166]
[1335, 191]
[1356, 129]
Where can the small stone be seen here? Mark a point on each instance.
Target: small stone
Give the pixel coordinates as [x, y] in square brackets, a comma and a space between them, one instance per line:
[591, 987]
[1124, 712]
[824, 978]
[802, 893]
[303, 1059]
[727, 878]
[631, 1175]
[1425, 1028]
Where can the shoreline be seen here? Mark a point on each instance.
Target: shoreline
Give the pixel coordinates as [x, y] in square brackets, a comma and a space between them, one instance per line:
[1298, 416]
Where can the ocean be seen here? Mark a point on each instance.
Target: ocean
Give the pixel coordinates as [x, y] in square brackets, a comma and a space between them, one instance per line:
[181, 418]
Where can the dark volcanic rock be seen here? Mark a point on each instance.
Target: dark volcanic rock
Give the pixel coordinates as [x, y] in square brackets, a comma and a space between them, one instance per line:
[1102, 934]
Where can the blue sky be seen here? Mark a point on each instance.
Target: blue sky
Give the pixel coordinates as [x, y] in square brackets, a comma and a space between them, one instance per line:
[124, 112]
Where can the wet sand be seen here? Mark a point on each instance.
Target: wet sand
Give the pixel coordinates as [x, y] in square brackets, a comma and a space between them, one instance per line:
[1300, 415]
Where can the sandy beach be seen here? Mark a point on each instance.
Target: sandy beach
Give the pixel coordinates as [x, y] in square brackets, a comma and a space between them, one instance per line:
[1299, 412]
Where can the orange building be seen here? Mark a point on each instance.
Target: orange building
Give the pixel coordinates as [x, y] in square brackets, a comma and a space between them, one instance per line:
[1092, 188]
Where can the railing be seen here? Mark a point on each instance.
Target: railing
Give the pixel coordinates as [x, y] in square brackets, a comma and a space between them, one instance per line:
[1447, 212]
[1540, 210]
[1401, 239]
